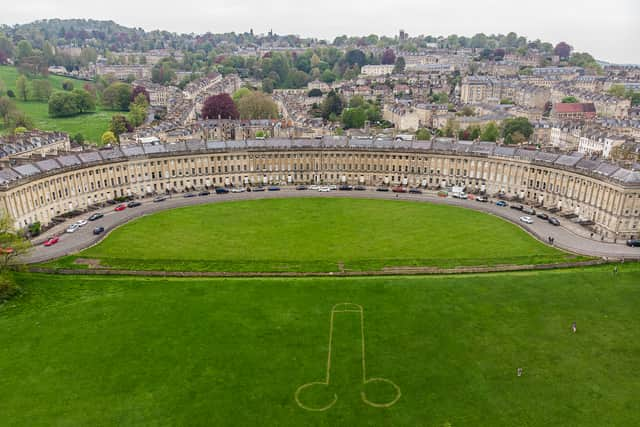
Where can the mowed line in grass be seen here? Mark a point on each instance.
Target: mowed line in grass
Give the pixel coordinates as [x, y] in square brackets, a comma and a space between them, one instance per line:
[144, 351]
[308, 234]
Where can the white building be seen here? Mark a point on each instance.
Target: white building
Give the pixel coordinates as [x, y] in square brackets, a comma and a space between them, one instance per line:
[377, 70]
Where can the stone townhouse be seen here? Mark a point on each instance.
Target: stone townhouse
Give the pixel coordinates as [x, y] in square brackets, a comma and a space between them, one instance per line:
[594, 190]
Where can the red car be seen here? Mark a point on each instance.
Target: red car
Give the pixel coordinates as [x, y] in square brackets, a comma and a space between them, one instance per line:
[52, 241]
[399, 189]
[121, 207]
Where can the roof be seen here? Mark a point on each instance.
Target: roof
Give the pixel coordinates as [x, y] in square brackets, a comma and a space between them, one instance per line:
[576, 107]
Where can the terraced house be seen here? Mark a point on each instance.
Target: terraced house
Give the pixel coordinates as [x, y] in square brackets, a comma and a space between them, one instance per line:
[596, 191]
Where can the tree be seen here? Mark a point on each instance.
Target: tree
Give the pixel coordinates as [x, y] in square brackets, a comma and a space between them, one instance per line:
[450, 129]
[353, 117]
[355, 57]
[163, 73]
[617, 90]
[119, 125]
[314, 93]
[78, 138]
[268, 84]
[563, 50]
[40, 90]
[256, 106]
[12, 243]
[137, 114]
[467, 111]
[569, 100]
[332, 105]
[328, 76]
[296, 79]
[388, 57]
[7, 107]
[10, 93]
[62, 104]
[520, 125]
[108, 138]
[85, 100]
[23, 50]
[220, 106]
[117, 96]
[20, 119]
[423, 134]
[6, 49]
[400, 66]
[21, 88]
[237, 95]
[137, 90]
[67, 85]
[491, 132]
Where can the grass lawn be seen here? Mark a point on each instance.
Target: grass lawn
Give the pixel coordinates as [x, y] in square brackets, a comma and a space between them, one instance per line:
[152, 351]
[309, 234]
[91, 125]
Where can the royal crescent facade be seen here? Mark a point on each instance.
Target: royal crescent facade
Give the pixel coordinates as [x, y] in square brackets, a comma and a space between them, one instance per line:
[593, 190]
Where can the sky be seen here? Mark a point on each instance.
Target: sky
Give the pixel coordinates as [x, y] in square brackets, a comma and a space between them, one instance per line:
[608, 29]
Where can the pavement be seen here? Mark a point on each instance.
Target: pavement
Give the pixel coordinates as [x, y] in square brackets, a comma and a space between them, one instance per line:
[566, 236]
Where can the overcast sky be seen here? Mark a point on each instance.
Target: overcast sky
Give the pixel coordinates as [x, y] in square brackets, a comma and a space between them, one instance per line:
[609, 29]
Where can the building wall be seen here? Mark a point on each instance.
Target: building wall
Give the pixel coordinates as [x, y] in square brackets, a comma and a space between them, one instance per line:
[614, 208]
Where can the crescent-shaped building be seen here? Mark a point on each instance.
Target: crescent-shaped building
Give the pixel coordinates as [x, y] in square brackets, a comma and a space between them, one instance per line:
[601, 193]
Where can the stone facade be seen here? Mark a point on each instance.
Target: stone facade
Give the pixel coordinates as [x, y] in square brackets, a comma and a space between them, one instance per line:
[593, 190]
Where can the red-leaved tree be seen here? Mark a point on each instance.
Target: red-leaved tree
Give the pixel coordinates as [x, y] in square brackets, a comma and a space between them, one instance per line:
[137, 90]
[220, 106]
[563, 50]
[388, 57]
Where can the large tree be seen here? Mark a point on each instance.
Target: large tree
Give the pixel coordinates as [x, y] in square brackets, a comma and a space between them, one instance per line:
[516, 130]
[563, 50]
[388, 57]
[257, 105]
[332, 105]
[117, 96]
[490, 132]
[6, 49]
[220, 106]
[22, 88]
[12, 243]
[137, 90]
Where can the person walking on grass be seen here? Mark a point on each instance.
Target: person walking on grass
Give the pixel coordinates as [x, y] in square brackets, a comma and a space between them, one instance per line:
[574, 328]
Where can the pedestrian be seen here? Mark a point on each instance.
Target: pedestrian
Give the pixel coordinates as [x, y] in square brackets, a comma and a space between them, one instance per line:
[574, 328]
[615, 270]
[519, 372]
[592, 235]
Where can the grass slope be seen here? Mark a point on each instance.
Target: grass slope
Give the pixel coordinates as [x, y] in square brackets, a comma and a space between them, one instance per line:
[317, 235]
[90, 125]
[142, 351]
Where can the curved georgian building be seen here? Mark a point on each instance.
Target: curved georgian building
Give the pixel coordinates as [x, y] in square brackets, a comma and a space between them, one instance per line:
[596, 191]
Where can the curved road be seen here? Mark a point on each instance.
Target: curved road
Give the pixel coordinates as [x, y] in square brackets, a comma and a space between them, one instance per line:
[73, 242]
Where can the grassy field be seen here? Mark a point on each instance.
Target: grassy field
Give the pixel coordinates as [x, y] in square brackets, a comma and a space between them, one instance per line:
[90, 125]
[316, 235]
[143, 351]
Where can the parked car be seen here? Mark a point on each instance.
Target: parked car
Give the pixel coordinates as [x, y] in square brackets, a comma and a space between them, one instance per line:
[529, 211]
[160, 199]
[121, 207]
[543, 216]
[345, 188]
[133, 204]
[98, 230]
[360, 188]
[633, 242]
[333, 187]
[237, 190]
[258, 189]
[203, 193]
[72, 228]
[274, 188]
[554, 221]
[382, 189]
[96, 216]
[399, 189]
[301, 187]
[482, 199]
[189, 195]
[415, 191]
[221, 190]
[82, 222]
[52, 241]
[324, 189]
[517, 207]
[501, 203]
[526, 219]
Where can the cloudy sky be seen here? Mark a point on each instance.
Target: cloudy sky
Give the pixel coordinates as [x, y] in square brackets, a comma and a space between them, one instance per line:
[609, 29]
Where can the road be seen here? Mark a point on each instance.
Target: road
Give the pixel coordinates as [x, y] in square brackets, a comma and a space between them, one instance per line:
[73, 242]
